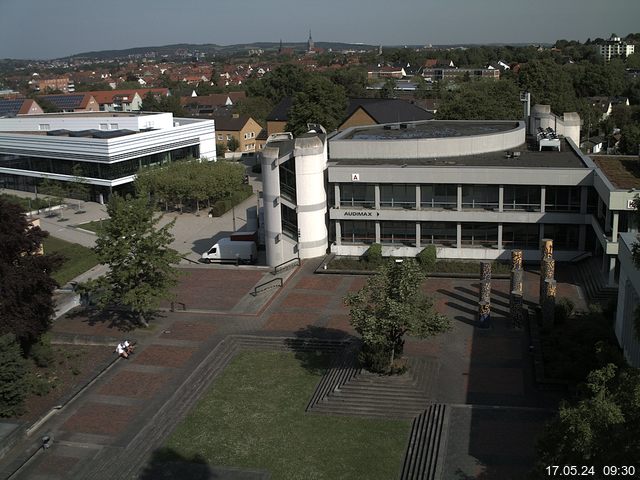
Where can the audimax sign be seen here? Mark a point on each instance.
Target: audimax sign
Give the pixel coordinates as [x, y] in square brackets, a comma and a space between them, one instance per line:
[359, 213]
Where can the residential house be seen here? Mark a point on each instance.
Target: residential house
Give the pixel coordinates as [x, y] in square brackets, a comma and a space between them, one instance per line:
[437, 74]
[615, 47]
[279, 116]
[241, 127]
[118, 100]
[63, 84]
[73, 102]
[19, 106]
[380, 71]
[376, 111]
[210, 104]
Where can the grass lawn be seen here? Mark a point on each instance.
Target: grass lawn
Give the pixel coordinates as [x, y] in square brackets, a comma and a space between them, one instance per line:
[94, 226]
[253, 417]
[79, 259]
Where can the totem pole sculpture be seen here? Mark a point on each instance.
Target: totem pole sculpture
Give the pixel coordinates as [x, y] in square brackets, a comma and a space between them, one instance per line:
[484, 300]
[547, 283]
[516, 290]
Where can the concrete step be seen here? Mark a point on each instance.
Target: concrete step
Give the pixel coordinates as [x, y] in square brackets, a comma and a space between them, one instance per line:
[425, 444]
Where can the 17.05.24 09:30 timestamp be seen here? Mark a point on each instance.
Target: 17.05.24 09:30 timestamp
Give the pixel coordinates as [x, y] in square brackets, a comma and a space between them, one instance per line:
[588, 471]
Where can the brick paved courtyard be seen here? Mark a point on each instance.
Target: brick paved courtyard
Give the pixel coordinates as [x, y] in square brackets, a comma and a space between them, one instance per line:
[487, 368]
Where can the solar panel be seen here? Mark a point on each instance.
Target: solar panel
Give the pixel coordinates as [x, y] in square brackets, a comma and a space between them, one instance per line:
[65, 102]
[10, 107]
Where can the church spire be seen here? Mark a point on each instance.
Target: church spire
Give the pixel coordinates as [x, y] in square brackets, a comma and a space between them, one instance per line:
[310, 45]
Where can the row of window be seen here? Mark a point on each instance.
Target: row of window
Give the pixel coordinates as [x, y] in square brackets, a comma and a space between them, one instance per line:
[485, 235]
[105, 171]
[445, 196]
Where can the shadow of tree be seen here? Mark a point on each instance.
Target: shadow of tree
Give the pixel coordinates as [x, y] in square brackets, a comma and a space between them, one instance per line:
[167, 464]
[315, 348]
[117, 319]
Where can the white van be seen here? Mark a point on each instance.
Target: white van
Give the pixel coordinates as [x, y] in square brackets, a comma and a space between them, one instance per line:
[231, 251]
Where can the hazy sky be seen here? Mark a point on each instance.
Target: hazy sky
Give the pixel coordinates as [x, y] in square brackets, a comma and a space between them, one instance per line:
[56, 28]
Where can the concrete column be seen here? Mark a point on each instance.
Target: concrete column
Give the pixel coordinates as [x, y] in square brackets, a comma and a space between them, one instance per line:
[499, 236]
[600, 205]
[271, 207]
[501, 198]
[607, 222]
[418, 234]
[541, 233]
[418, 206]
[543, 198]
[336, 193]
[582, 237]
[584, 196]
[459, 235]
[612, 271]
[338, 232]
[376, 196]
[377, 232]
[459, 198]
[614, 228]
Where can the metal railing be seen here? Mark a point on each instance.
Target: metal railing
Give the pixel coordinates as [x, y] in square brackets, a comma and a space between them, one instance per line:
[273, 283]
[285, 265]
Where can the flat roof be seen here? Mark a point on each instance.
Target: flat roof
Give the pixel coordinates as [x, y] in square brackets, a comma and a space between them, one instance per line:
[529, 157]
[623, 171]
[90, 114]
[429, 129]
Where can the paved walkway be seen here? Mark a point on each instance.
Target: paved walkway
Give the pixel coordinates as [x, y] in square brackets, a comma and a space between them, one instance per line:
[112, 429]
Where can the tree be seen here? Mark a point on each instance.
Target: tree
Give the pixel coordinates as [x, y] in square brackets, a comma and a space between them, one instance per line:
[78, 188]
[140, 262]
[256, 107]
[321, 102]
[601, 428]
[352, 79]
[284, 81]
[388, 89]
[630, 140]
[233, 144]
[482, 100]
[389, 306]
[13, 385]
[26, 286]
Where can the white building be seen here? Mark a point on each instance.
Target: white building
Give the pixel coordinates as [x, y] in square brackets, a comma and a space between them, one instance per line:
[628, 301]
[110, 148]
[615, 47]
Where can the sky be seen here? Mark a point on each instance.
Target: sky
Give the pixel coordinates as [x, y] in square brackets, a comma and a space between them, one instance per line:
[44, 29]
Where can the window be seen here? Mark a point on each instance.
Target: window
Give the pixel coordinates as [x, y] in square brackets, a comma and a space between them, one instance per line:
[113, 126]
[439, 233]
[398, 232]
[439, 196]
[562, 199]
[228, 137]
[480, 235]
[565, 237]
[398, 196]
[288, 180]
[480, 197]
[520, 235]
[289, 222]
[518, 197]
[357, 195]
[358, 232]
[44, 127]
[104, 126]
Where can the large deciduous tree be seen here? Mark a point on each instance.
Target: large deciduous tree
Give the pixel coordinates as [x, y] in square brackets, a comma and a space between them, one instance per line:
[482, 100]
[321, 101]
[600, 429]
[141, 264]
[389, 306]
[26, 286]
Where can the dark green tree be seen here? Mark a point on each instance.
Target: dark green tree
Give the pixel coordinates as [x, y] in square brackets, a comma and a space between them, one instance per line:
[388, 89]
[256, 107]
[321, 101]
[282, 82]
[352, 79]
[13, 369]
[389, 306]
[141, 263]
[26, 286]
[482, 100]
[549, 84]
[601, 429]
[630, 140]
[233, 144]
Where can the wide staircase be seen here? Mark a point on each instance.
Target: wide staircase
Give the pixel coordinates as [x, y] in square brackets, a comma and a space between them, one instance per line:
[346, 389]
[594, 282]
[426, 444]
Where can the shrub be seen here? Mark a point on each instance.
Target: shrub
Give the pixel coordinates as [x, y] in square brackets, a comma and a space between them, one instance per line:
[375, 358]
[12, 377]
[222, 206]
[41, 352]
[427, 258]
[37, 384]
[564, 310]
[373, 255]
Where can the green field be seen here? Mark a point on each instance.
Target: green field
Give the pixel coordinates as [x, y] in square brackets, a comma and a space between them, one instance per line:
[78, 259]
[253, 417]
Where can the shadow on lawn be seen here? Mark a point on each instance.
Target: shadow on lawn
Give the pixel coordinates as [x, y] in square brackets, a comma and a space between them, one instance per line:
[168, 464]
[315, 355]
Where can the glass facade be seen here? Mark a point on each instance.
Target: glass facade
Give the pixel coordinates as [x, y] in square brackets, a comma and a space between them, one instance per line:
[398, 195]
[484, 197]
[398, 233]
[105, 171]
[565, 237]
[287, 172]
[524, 236]
[289, 222]
[439, 233]
[439, 196]
[358, 232]
[562, 199]
[357, 195]
[483, 235]
[522, 197]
